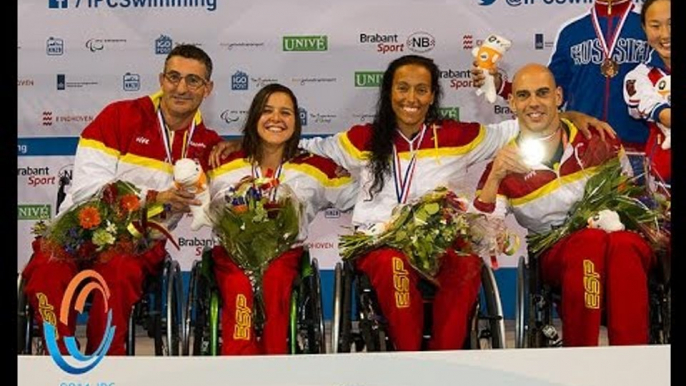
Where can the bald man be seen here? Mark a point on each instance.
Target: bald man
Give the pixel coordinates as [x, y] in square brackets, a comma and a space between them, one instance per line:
[538, 177]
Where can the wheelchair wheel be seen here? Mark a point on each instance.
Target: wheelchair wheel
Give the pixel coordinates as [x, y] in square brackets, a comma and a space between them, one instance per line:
[521, 303]
[202, 312]
[490, 323]
[307, 315]
[170, 338]
[167, 322]
[189, 309]
[340, 325]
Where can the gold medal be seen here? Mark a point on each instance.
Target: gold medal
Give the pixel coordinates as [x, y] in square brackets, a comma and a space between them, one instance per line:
[609, 68]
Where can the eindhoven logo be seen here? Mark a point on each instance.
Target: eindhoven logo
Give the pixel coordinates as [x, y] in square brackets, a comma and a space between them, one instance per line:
[79, 362]
[163, 45]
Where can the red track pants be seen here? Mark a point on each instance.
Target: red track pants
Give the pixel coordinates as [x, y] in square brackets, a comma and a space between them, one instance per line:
[238, 331]
[599, 271]
[47, 280]
[395, 284]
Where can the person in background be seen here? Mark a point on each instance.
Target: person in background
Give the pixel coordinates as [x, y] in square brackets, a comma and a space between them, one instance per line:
[592, 55]
[647, 89]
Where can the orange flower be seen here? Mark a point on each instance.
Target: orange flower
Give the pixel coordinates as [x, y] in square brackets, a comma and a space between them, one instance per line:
[130, 202]
[89, 217]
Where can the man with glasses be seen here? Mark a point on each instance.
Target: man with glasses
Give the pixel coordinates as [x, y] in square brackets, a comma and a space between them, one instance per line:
[137, 141]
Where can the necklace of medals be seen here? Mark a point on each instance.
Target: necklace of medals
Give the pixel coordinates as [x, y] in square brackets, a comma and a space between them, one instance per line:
[168, 138]
[403, 180]
[609, 67]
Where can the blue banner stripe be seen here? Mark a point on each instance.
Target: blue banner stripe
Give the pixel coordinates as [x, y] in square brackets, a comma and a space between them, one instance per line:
[66, 146]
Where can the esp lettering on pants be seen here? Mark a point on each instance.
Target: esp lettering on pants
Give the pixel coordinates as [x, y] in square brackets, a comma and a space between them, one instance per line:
[46, 311]
[401, 283]
[243, 319]
[591, 286]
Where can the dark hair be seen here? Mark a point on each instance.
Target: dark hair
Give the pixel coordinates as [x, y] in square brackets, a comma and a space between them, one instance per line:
[644, 9]
[252, 143]
[384, 125]
[190, 51]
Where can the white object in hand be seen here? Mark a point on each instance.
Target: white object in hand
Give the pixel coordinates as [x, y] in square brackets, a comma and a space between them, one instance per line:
[486, 56]
[188, 175]
[664, 88]
[607, 220]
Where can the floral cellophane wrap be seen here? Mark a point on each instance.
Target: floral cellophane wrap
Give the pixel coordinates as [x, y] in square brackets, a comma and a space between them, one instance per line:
[426, 227]
[256, 221]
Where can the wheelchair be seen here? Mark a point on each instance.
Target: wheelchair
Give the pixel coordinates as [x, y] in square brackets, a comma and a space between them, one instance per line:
[203, 310]
[370, 332]
[158, 312]
[534, 302]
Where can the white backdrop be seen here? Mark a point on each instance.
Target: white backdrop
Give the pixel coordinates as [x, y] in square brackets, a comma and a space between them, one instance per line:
[75, 56]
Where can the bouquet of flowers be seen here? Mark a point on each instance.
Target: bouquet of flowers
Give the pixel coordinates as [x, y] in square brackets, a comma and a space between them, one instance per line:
[97, 228]
[608, 189]
[256, 221]
[425, 228]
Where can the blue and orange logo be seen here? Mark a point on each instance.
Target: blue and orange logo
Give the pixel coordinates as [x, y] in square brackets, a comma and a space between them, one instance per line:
[81, 363]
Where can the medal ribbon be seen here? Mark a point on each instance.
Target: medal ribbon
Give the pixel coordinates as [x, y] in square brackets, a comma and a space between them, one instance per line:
[615, 34]
[168, 138]
[257, 174]
[404, 180]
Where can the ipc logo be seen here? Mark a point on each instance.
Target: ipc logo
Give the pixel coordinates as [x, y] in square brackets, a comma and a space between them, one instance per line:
[82, 363]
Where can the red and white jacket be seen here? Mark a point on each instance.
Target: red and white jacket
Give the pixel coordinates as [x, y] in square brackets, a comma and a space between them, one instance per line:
[443, 157]
[317, 182]
[125, 142]
[541, 199]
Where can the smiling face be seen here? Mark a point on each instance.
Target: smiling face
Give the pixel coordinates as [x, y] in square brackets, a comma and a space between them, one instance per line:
[178, 99]
[658, 28]
[277, 121]
[411, 96]
[535, 99]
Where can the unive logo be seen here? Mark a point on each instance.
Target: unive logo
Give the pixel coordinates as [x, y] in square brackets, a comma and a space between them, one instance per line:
[34, 212]
[132, 82]
[449, 113]
[163, 45]
[54, 46]
[368, 78]
[57, 4]
[306, 43]
[239, 81]
[80, 363]
[486, 2]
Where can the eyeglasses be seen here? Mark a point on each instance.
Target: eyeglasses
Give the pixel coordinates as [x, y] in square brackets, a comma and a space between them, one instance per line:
[193, 81]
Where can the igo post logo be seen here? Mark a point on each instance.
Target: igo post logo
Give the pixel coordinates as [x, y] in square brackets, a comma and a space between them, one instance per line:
[79, 363]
